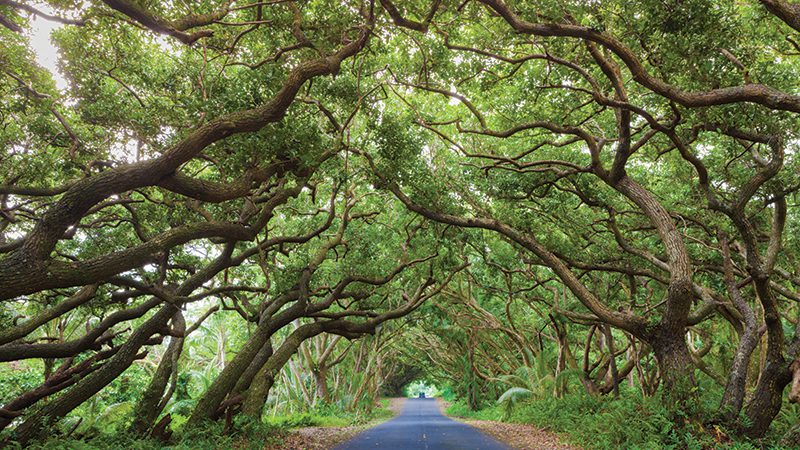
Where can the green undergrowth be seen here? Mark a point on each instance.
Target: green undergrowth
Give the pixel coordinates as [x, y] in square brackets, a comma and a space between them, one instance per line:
[244, 434]
[631, 421]
[330, 417]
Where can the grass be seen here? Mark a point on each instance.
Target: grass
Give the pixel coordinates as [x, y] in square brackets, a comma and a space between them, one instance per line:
[307, 420]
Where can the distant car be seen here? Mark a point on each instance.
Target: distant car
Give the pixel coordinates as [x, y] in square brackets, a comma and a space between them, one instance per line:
[421, 395]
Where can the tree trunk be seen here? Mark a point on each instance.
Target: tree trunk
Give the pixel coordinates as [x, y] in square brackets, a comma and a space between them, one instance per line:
[65, 376]
[147, 408]
[247, 377]
[677, 371]
[36, 424]
[224, 384]
[613, 361]
[321, 381]
[207, 406]
[259, 389]
[768, 396]
[733, 397]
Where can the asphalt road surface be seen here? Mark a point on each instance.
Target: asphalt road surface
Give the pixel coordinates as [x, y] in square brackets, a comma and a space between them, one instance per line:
[421, 426]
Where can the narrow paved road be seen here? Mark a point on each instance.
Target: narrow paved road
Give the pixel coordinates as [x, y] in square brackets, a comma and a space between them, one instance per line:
[421, 426]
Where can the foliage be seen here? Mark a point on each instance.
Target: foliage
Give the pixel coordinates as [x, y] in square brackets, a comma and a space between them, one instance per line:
[510, 398]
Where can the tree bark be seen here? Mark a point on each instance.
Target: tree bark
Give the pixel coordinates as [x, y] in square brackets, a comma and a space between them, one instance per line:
[613, 361]
[768, 396]
[677, 370]
[249, 375]
[321, 382]
[259, 389]
[147, 408]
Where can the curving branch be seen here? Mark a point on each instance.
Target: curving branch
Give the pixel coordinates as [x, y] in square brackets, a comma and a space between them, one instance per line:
[25, 261]
[177, 28]
[788, 12]
[20, 331]
[750, 93]
[625, 321]
[401, 21]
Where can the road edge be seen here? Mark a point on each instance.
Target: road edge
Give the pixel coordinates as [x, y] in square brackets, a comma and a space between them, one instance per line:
[326, 438]
[516, 436]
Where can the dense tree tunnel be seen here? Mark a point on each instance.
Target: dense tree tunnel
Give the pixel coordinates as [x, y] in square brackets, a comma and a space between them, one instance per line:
[216, 213]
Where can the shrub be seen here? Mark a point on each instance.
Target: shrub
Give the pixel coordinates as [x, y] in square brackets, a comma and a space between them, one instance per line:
[630, 421]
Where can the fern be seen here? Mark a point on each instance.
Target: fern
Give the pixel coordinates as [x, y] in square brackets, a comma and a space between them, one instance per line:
[510, 398]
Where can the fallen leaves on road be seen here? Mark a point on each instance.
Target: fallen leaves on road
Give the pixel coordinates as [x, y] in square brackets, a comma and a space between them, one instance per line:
[521, 437]
[315, 438]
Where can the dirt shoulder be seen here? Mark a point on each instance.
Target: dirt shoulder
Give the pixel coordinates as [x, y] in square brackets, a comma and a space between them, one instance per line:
[515, 435]
[521, 437]
[396, 404]
[325, 438]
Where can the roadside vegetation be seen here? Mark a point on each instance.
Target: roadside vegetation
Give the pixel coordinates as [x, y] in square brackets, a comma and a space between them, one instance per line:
[272, 432]
[627, 422]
